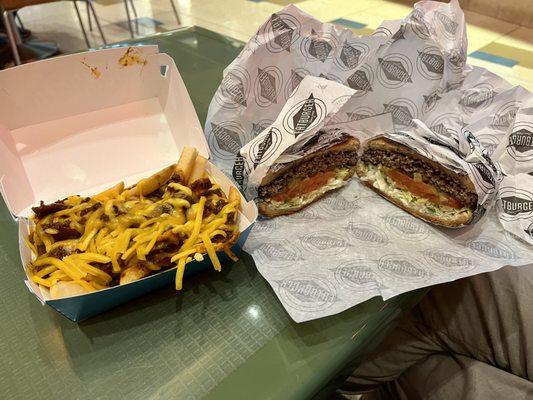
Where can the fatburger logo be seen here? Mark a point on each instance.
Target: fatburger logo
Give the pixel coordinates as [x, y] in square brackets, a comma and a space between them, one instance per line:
[356, 275]
[233, 91]
[262, 149]
[418, 25]
[406, 227]
[529, 230]
[399, 34]
[520, 144]
[277, 253]
[491, 249]
[402, 112]
[477, 98]
[225, 139]
[337, 205]
[483, 176]
[324, 242]
[281, 30]
[400, 267]
[448, 260]
[304, 115]
[430, 63]
[368, 234]
[307, 293]
[457, 58]
[297, 75]
[360, 113]
[239, 170]
[267, 86]
[430, 102]
[359, 81]
[489, 142]
[515, 203]
[350, 56]
[394, 71]
[504, 117]
[319, 47]
[449, 25]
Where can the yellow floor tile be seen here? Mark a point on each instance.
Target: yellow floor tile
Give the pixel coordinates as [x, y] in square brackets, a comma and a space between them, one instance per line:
[521, 38]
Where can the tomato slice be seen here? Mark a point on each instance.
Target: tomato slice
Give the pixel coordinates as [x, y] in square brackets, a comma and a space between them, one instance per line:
[305, 185]
[422, 189]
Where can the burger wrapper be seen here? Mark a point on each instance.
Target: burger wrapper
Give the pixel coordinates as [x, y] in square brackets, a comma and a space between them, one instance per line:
[412, 84]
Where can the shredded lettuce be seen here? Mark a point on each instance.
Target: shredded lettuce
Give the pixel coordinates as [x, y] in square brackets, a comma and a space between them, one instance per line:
[380, 180]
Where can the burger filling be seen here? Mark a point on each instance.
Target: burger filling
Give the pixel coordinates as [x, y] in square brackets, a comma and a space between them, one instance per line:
[412, 191]
[307, 181]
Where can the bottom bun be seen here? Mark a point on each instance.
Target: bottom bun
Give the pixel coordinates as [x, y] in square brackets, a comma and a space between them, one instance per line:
[270, 208]
[452, 219]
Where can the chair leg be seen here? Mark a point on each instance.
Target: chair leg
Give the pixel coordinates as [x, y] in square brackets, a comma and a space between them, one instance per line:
[9, 23]
[129, 18]
[81, 24]
[89, 15]
[136, 16]
[97, 21]
[175, 12]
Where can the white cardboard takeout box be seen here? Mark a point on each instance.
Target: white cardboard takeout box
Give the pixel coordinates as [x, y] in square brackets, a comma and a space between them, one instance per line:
[80, 123]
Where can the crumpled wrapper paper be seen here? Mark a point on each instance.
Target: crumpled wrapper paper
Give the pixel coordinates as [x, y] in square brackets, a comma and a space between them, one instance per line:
[409, 75]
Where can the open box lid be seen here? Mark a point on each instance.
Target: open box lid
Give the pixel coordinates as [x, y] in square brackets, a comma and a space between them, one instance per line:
[79, 123]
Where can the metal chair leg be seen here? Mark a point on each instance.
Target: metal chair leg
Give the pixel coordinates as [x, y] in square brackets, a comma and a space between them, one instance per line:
[97, 21]
[175, 12]
[129, 18]
[11, 29]
[81, 24]
[89, 15]
[136, 16]
[17, 17]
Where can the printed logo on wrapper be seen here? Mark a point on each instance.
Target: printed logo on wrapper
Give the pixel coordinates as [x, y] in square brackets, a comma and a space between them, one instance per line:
[489, 142]
[361, 80]
[402, 112]
[310, 292]
[446, 24]
[297, 75]
[318, 46]
[491, 248]
[331, 77]
[418, 25]
[406, 227]
[448, 260]
[267, 86]
[430, 102]
[457, 58]
[261, 151]
[265, 227]
[356, 275]
[515, 203]
[260, 126]
[240, 170]
[520, 143]
[304, 115]
[281, 31]
[360, 113]
[399, 34]
[277, 253]
[476, 98]
[324, 243]
[504, 117]
[394, 71]
[369, 235]
[351, 55]
[304, 216]
[447, 125]
[226, 139]
[337, 205]
[483, 176]
[400, 267]
[234, 89]
[430, 63]
[529, 230]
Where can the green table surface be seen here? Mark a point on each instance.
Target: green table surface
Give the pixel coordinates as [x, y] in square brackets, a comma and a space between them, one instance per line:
[226, 336]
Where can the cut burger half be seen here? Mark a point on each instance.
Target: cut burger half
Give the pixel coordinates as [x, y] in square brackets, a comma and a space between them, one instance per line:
[300, 183]
[420, 186]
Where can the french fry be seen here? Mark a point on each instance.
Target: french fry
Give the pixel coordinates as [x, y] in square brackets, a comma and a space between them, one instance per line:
[133, 273]
[234, 195]
[110, 193]
[152, 183]
[186, 163]
[198, 169]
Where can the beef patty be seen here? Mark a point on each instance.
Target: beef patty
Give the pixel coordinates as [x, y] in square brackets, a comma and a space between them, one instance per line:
[431, 175]
[322, 162]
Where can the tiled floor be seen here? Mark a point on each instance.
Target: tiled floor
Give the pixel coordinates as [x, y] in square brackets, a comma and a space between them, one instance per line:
[502, 47]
